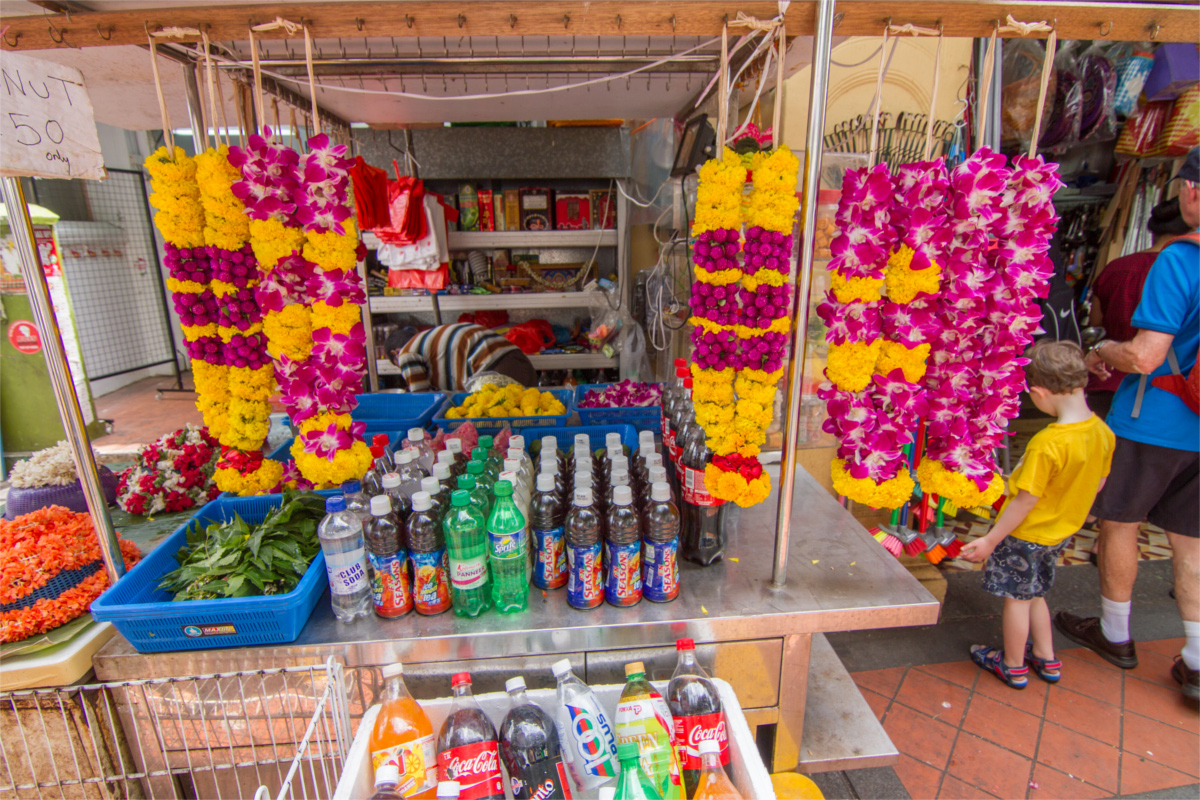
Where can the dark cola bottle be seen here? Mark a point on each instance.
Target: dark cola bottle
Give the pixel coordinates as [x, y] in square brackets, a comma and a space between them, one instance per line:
[697, 713]
[467, 748]
[530, 749]
[703, 517]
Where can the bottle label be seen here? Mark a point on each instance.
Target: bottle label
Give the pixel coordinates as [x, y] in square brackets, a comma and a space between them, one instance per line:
[476, 767]
[623, 576]
[470, 573]
[595, 747]
[505, 545]
[391, 586]
[347, 571]
[550, 567]
[660, 571]
[585, 584]
[416, 761]
[431, 582]
[542, 780]
[691, 731]
[644, 720]
[694, 491]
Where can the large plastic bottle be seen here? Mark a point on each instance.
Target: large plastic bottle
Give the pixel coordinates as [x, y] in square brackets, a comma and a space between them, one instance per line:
[372, 481]
[467, 546]
[418, 441]
[401, 503]
[478, 469]
[357, 503]
[391, 584]
[547, 514]
[494, 460]
[508, 554]
[430, 562]
[584, 534]
[713, 783]
[467, 750]
[530, 749]
[634, 783]
[660, 548]
[670, 398]
[588, 739]
[410, 473]
[696, 708]
[341, 537]
[702, 534]
[447, 458]
[644, 720]
[623, 551]
[403, 738]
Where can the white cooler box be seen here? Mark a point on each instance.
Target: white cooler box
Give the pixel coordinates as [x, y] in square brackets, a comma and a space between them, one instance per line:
[750, 776]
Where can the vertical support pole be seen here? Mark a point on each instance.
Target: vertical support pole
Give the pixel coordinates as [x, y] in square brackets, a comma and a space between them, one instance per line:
[795, 374]
[195, 107]
[369, 328]
[60, 377]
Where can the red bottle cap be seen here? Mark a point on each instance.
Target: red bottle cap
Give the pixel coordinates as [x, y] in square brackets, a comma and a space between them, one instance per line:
[685, 644]
[460, 678]
[380, 439]
[376, 450]
[681, 372]
[687, 383]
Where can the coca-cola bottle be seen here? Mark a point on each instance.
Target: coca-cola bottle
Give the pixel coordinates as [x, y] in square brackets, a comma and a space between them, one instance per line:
[703, 518]
[530, 749]
[467, 750]
[696, 709]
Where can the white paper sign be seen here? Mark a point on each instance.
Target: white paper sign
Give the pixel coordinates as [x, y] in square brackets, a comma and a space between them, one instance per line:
[47, 127]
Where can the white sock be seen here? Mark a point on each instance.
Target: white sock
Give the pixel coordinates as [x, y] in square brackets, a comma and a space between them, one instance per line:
[1191, 648]
[1114, 620]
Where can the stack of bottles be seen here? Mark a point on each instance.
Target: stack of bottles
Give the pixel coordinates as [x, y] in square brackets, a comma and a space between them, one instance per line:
[656, 748]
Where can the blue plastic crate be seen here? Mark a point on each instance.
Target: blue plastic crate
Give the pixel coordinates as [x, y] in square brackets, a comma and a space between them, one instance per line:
[392, 412]
[493, 424]
[644, 418]
[153, 623]
[596, 435]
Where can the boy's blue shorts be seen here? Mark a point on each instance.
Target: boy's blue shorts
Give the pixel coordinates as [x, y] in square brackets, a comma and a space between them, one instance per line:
[1021, 570]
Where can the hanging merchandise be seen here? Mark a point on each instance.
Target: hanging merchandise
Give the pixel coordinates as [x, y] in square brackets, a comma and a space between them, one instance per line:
[1066, 113]
[1022, 70]
[1098, 116]
[1132, 68]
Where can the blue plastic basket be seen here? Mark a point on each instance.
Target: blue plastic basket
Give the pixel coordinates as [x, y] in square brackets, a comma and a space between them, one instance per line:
[596, 433]
[644, 418]
[492, 424]
[387, 413]
[153, 623]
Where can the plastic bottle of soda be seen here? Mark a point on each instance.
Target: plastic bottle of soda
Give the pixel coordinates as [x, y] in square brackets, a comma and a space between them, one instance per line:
[441, 471]
[372, 481]
[410, 473]
[508, 558]
[522, 489]
[713, 783]
[660, 551]
[583, 480]
[437, 498]
[418, 441]
[477, 496]
[478, 470]
[550, 467]
[612, 440]
[588, 739]
[495, 460]
[357, 503]
[550, 445]
[384, 440]
[447, 458]
[634, 783]
[584, 533]
[623, 551]
[448, 790]
[391, 584]
[530, 749]
[454, 445]
[659, 474]
[644, 720]
[467, 545]
[547, 515]
[430, 562]
[675, 393]
[467, 750]
[387, 783]
[696, 708]
[702, 534]
[341, 537]
[403, 738]
[401, 503]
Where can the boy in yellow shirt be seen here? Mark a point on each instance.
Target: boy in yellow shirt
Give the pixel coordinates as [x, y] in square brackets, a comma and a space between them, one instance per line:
[1050, 493]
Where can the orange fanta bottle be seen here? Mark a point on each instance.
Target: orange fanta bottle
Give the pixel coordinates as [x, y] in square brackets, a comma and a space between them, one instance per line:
[713, 784]
[403, 738]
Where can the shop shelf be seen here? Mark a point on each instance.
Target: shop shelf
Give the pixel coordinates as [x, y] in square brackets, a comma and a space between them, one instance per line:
[492, 424]
[644, 418]
[506, 240]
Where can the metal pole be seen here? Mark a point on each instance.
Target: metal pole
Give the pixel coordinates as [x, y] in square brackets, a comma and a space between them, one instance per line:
[195, 107]
[812, 180]
[60, 377]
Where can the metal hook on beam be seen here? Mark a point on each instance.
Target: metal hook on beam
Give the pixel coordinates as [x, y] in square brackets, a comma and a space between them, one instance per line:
[1154, 33]
[461, 20]
[673, 23]
[358, 23]
[618, 22]
[59, 39]
[100, 33]
[566, 21]
[13, 43]
[409, 20]
[1106, 28]
[512, 21]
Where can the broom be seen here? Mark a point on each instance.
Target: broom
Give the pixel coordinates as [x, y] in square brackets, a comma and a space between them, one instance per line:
[889, 542]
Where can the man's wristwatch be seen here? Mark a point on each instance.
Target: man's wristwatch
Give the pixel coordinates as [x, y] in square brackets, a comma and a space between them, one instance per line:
[1096, 347]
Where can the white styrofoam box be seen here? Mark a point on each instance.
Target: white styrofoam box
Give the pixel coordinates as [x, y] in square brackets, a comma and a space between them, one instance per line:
[750, 776]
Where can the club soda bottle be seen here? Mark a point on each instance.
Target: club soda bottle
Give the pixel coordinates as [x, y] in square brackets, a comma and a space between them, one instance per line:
[391, 585]
[713, 783]
[341, 537]
[430, 562]
[623, 551]
[401, 503]
[403, 738]
[529, 747]
[507, 552]
[696, 708]
[547, 515]
[467, 546]
[588, 741]
[584, 533]
[644, 720]
[660, 550]
[467, 750]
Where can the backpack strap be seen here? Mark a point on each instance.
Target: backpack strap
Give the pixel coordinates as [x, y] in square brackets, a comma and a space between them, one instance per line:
[1141, 390]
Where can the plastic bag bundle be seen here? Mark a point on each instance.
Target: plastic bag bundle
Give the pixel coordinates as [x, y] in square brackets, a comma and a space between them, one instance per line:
[1023, 59]
[1098, 87]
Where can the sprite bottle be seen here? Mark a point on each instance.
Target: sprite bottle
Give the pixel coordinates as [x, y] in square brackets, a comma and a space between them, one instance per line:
[467, 543]
[508, 552]
[634, 783]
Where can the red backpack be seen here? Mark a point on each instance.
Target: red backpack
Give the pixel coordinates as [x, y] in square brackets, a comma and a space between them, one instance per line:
[1186, 388]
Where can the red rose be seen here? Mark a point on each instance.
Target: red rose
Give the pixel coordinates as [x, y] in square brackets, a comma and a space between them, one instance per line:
[135, 504]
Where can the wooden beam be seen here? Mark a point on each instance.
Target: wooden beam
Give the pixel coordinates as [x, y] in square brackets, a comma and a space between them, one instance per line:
[1178, 22]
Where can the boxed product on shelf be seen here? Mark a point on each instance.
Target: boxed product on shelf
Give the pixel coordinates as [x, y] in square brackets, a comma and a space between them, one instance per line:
[571, 212]
[498, 211]
[468, 208]
[487, 222]
[537, 209]
[512, 210]
[604, 212]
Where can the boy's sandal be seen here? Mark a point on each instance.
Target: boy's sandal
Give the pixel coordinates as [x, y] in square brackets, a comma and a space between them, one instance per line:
[991, 660]
[1046, 669]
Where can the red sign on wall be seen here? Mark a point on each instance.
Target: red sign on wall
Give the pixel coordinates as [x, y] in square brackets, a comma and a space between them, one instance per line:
[24, 336]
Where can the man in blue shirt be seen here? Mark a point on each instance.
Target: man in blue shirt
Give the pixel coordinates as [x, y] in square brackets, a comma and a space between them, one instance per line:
[1156, 464]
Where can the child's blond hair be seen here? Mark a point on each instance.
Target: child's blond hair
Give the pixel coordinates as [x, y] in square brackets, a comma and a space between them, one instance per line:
[1057, 367]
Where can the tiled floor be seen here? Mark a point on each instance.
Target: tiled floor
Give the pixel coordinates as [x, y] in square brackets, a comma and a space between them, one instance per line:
[1101, 731]
[1152, 543]
[138, 418]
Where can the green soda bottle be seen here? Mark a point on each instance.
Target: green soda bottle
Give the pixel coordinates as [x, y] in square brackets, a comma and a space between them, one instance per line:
[643, 719]
[467, 543]
[479, 498]
[633, 783]
[477, 469]
[495, 461]
[508, 552]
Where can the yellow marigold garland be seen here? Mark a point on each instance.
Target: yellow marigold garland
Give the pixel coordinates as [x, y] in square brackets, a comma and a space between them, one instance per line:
[891, 493]
[895, 355]
[850, 366]
[847, 290]
[905, 283]
[956, 487]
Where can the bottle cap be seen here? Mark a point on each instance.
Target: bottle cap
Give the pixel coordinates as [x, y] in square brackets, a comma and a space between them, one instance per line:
[612, 439]
[634, 667]
[516, 442]
[441, 471]
[460, 497]
[585, 465]
[391, 480]
[445, 457]
[466, 482]
[388, 775]
[709, 747]
[404, 457]
[475, 468]
[660, 491]
[685, 644]
[514, 452]
[449, 789]
[622, 496]
[422, 501]
[485, 442]
[380, 438]
[503, 488]
[560, 668]
[460, 677]
[334, 505]
[583, 440]
[627, 751]
[413, 452]
[392, 670]
[548, 466]
[381, 505]
[545, 482]
[512, 684]
[376, 451]
[645, 438]
[509, 477]
[583, 480]
[479, 453]
[549, 443]
[619, 477]
[351, 487]
[416, 434]
[583, 497]
[512, 465]
[653, 460]
[454, 445]
[612, 452]
[621, 462]
[658, 474]
[430, 484]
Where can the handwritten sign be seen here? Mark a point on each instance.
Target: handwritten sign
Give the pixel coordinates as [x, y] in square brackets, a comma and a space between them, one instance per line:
[47, 127]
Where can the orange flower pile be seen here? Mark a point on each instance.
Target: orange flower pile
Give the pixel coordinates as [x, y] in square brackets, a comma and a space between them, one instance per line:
[34, 548]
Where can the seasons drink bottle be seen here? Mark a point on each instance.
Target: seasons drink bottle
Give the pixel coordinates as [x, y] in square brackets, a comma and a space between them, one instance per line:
[644, 720]
[507, 552]
[714, 784]
[696, 708]
[623, 551]
[341, 537]
[467, 749]
[584, 533]
[391, 586]
[467, 545]
[660, 551]
[430, 562]
[547, 515]
[530, 749]
[588, 742]
[403, 738]
[634, 783]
